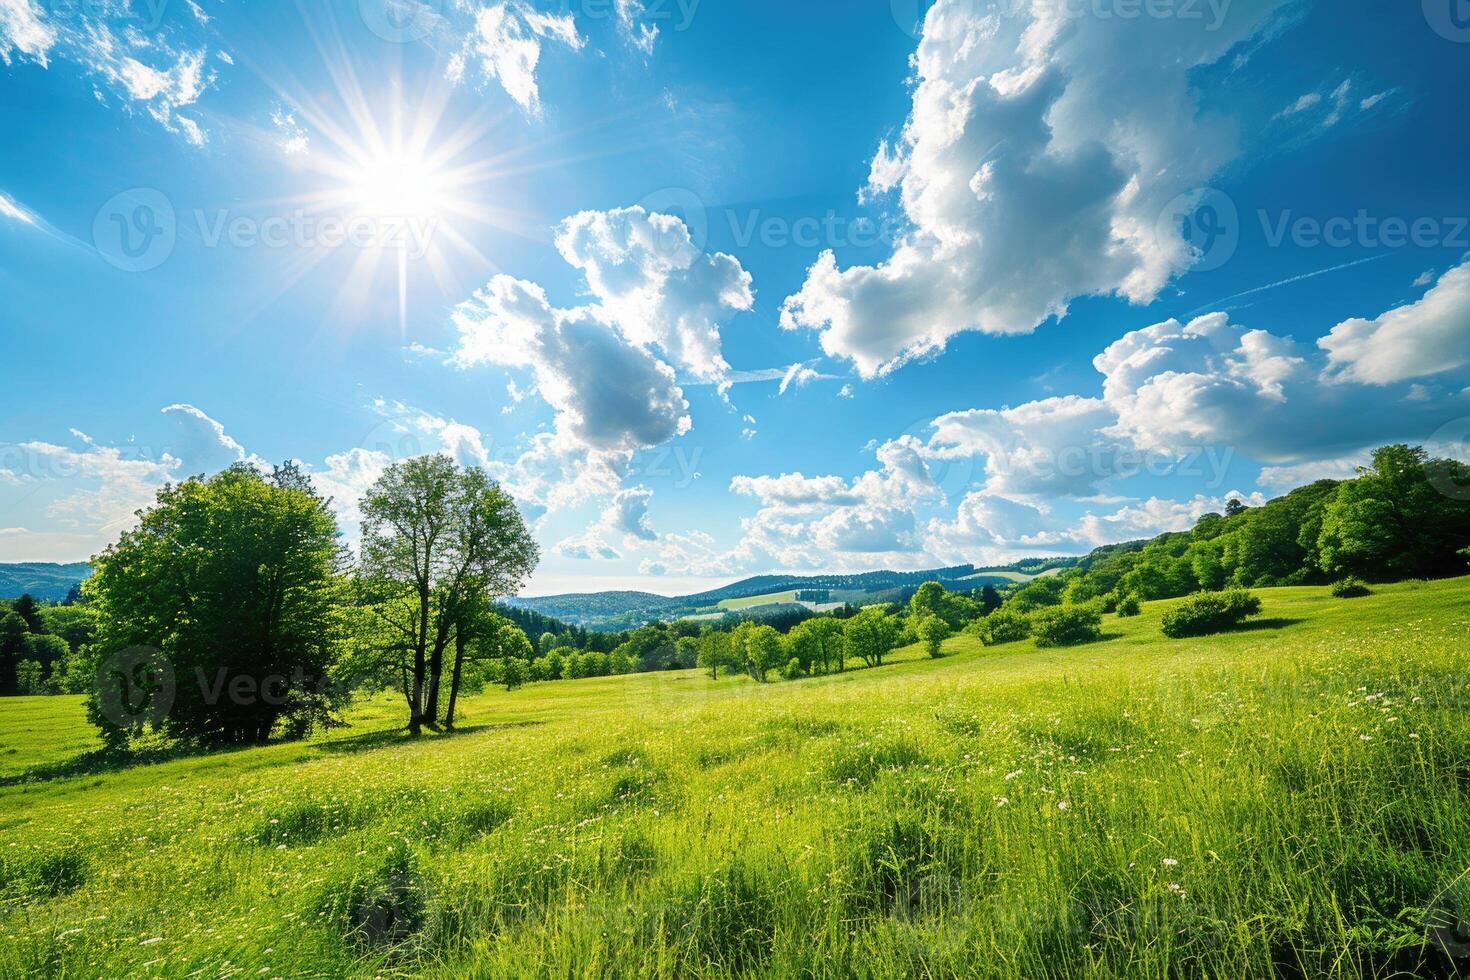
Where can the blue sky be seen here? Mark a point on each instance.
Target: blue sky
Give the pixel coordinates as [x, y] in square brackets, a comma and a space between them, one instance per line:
[721, 288]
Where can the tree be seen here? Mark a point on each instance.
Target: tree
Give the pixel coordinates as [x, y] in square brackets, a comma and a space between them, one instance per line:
[30, 678]
[933, 631]
[30, 613]
[482, 636]
[437, 540]
[12, 647]
[715, 652]
[1234, 507]
[989, 600]
[765, 651]
[686, 652]
[870, 635]
[933, 599]
[1393, 521]
[234, 581]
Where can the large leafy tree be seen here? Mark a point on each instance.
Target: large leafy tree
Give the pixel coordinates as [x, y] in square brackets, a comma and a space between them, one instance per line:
[438, 541]
[234, 582]
[870, 635]
[1401, 517]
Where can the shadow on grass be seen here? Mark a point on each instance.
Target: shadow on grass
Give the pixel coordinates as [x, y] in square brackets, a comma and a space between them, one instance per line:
[101, 761]
[368, 741]
[1272, 623]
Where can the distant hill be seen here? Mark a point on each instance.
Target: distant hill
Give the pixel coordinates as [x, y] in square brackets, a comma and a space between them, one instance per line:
[624, 610]
[42, 580]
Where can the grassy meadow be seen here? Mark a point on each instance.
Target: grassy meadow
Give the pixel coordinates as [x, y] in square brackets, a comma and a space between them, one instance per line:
[1292, 799]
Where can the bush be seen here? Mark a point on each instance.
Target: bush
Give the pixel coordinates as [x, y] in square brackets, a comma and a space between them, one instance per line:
[1210, 612]
[1351, 587]
[1002, 626]
[1066, 626]
[1129, 605]
[792, 670]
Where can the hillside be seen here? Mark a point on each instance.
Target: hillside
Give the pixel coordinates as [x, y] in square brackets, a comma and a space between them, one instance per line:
[42, 580]
[623, 610]
[1284, 799]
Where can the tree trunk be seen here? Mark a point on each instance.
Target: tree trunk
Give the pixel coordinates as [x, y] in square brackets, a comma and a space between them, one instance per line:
[454, 680]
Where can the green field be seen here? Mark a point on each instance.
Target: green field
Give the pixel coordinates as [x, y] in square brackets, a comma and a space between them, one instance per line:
[1288, 799]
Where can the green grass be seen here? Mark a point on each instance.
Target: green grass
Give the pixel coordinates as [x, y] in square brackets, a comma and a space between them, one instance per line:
[1288, 799]
[749, 602]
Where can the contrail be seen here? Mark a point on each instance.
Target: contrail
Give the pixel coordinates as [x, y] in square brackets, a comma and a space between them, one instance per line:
[1285, 282]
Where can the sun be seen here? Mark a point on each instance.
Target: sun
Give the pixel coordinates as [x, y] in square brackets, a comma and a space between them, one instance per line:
[400, 184]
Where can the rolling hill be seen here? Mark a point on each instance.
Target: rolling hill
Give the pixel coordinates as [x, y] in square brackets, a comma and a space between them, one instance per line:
[622, 610]
[41, 580]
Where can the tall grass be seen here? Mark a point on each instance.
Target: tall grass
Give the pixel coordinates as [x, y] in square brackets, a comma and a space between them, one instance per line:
[1289, 799]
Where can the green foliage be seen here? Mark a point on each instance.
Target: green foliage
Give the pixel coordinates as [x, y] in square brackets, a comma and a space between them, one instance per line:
[1064, 626]
[792, 670]
[1351, 587]
[1210, 612]
[932, 632]
[765, 649]
[1129, 605]
[1005, 625]
[933, 599]
[233, 580]
[870, 635]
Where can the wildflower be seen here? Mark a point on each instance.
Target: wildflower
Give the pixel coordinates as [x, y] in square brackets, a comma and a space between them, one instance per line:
[1170, 862]
[1061, 804]
[1365, 738]
[1002, 800]
[1013, 774]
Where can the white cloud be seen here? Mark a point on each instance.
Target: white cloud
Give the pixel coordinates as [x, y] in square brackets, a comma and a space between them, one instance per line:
[625, 516]
[650, 279]
[505, 43]
[13, 211]
[1176, 386]
[1035, 166]
[641, 36]
[1056, 446]
[1427, 337]
[291, 138]
[609, 394]
[24, 31]
[204, 446]
[146, 70]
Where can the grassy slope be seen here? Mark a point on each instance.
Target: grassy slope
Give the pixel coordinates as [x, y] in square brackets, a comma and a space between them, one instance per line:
[1004, 812]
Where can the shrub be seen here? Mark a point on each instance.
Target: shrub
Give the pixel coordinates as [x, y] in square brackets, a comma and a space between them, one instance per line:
[792, 670]
[1210, 612]
[1066, 626]
[1130, 605]
[1351, 587]
[1003, 626]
